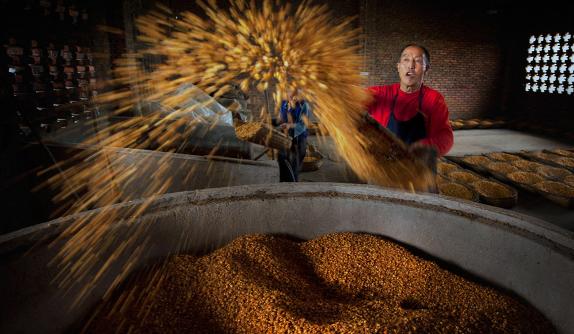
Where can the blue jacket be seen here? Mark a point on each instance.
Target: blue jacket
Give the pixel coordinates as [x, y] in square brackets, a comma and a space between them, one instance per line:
[301, 109]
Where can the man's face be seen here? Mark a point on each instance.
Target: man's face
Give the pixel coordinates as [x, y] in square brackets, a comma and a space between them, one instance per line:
[411, 67]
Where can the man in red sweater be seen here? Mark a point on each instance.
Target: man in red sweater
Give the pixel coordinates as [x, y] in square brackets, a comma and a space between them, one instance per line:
[417, 114]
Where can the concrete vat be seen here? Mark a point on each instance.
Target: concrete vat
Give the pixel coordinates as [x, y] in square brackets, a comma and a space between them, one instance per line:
[516, 252]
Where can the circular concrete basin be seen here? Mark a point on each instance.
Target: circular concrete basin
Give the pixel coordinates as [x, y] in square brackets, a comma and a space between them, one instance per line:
[525, 255]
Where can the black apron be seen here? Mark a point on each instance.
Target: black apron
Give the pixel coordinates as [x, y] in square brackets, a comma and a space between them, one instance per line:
[411, 130]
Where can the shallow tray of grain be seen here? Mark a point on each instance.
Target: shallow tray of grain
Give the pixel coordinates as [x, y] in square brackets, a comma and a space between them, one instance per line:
[485, 124]
[501, 168]
[527, 165]
[503, 156]
[263, 134]
[445, 168]
[456, 124]
[569, 180]
[525, 180]
[499, 124]
[474, 162]
[496, 193]
[551, 159]
[457, 190]
[562, 152]
[463, 176]
[557, 192]
[441, 180]
[553, 173]
[471, 123]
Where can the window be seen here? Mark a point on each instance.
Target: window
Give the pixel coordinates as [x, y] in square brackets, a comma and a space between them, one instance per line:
[550, 64]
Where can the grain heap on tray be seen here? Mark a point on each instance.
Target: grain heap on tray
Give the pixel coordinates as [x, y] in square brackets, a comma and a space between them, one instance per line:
[455, 190]
[445, 168]
[337, 283]
[567, 162]
[530, 166]
[555, 188]
[477, 160]
[441, 180]
[501, 156]
[501, 167]
[492, 189]
[553, 172]
[564, 153]
[569, 180]
[464, 177]
[485, 123]
[471, 123]
[546, 156]
[527, 178]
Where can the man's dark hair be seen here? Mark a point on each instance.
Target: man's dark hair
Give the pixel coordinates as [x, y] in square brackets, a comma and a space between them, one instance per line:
[426, 53]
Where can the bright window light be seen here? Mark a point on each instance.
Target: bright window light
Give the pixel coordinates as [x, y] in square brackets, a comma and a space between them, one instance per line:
[550, 64]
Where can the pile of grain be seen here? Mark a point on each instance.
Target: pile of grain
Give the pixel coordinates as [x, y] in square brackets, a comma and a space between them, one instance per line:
[250, 130]
[527, 165]
[567, 162]
[569, 180]
[455, 190]
[556, 188]
[262, 134]
[471, 123]
[501, 167]
[464, 177]
[492, 189]
[485, 124]
[501, 156]
[445, 168]
[525, 177]
[441, 180]
[553, 172]
[564, 153]
[545, 156]
[338, 283]
[477, 160]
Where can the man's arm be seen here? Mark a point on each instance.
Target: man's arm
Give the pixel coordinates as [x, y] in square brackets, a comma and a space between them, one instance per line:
[301, 126]
[439, 132]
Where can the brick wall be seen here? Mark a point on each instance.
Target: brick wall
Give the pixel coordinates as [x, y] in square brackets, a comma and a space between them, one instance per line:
[466, 56]
[463, 40]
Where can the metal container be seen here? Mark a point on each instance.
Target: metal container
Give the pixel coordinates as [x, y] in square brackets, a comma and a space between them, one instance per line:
[523, 254]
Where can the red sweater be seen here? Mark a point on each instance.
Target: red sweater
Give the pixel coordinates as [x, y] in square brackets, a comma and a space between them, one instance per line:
[439, 132]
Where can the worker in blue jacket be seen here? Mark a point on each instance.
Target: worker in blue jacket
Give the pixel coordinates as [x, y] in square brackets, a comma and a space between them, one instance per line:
[294, 114]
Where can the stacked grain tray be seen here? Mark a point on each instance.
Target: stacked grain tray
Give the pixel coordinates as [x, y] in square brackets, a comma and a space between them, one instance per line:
[489, 191]
[452, 187]
[475, 123]
[557, 168]
[535, 177]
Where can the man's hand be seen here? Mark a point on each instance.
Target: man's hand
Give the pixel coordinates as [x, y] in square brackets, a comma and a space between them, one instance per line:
[286, 126]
